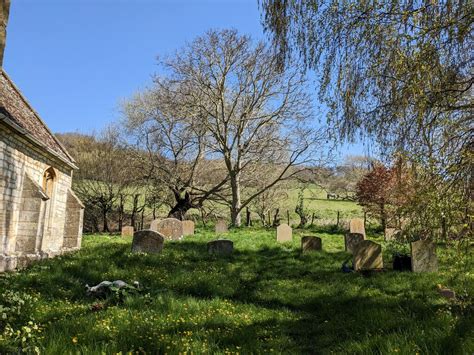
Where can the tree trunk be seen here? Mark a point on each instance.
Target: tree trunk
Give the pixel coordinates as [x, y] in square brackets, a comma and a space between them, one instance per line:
[104, 219]
[121, 213]
[383, 217]
[236, 218]
[183, 205]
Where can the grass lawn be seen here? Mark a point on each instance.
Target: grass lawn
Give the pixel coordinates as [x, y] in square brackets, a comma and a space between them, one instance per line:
[265, 298]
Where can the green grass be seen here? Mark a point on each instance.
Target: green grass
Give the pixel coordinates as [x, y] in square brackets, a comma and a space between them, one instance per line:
[265, 298]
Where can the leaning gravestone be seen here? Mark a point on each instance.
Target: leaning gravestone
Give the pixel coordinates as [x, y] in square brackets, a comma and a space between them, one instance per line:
[309, 243]
[188, 227]
[284, 233]
[127, 231]
[220, 247]
[356, 225]
[170, 228]
[351, 240]
[221, 226]
[423, 256]
[367, 256]
[147, 241]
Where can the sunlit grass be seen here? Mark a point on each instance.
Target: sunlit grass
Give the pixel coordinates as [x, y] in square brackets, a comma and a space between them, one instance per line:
[265, 298]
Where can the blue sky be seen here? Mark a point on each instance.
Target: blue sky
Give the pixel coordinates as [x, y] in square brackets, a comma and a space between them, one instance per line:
[75, 59]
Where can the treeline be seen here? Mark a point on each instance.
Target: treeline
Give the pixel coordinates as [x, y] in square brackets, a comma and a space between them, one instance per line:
[116, 185]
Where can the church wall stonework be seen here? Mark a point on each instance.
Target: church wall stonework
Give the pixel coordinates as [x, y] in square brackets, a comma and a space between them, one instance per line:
[33, 223]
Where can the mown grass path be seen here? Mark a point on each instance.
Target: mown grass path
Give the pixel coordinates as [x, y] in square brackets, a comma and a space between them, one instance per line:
[265, 298]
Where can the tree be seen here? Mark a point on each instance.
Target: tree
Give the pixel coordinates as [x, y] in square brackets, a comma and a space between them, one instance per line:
[374, 191]
[103, 176]
[397, 71]
[170, 148]
[250, 114]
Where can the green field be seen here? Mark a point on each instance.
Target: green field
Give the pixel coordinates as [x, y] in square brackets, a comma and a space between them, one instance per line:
[265, 298]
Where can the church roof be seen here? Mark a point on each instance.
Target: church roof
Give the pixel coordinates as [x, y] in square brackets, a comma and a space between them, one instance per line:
[16, 108]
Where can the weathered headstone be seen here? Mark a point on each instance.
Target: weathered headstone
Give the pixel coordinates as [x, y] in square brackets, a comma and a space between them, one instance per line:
[391, 233]
[423, 256]
[220, 247]
[367, 256]
[351, 240]
[188, 228]
[147, 241]
[310, 243]
[127, 231]
[170, 228]
[284, 233]
[154, 224]
[221, 226]
[356, 225]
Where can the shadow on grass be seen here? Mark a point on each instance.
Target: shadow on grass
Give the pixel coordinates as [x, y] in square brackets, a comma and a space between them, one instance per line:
[326, 309]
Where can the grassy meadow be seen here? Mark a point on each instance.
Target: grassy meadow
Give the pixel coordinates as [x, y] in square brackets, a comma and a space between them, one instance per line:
[267, 297]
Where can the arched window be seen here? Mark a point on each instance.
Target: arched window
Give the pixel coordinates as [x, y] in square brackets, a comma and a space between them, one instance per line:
[49, 178]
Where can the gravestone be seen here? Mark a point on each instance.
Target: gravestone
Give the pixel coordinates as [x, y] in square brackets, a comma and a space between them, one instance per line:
[147, 241]
[220, 247]
[188, 228]
[356, 225]
[423, 256]
[391, 234]
[127, 231]
[351, 240]
[367, 256]
[284, 233]
[310, 243]
[221, 226]
[170, 228]
[154, 224]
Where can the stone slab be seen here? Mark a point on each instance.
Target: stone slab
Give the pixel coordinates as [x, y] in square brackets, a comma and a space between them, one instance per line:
[188, 228]
[221, 226]
[222, 247]
[128, 231]
[311, 243]
[423, 256]
[351, 240]
[147, 241]
[170, 228]
[284, 233]
[356, 225]
[367, 256]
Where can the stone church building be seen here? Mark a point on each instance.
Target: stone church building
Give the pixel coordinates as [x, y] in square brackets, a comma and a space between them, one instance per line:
[40, 216]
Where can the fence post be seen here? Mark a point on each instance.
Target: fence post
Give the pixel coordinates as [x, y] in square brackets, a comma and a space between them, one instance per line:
[338, 218]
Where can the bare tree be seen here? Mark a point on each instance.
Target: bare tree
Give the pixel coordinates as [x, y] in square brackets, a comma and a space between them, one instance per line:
[103, 177]
[249, 113]
[171, 150]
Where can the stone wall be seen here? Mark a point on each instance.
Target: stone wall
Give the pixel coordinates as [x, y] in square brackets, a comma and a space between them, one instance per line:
[32, 221]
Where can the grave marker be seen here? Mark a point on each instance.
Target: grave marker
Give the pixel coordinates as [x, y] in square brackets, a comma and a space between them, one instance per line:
[222, 247]
[423, 256]
[127, 231]
[284, 233]
[310, 243]
[367, 256]
[188, 228]
[221, 226]
[356, 225]
[351, 240]
[147, 241]
[170, 228]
